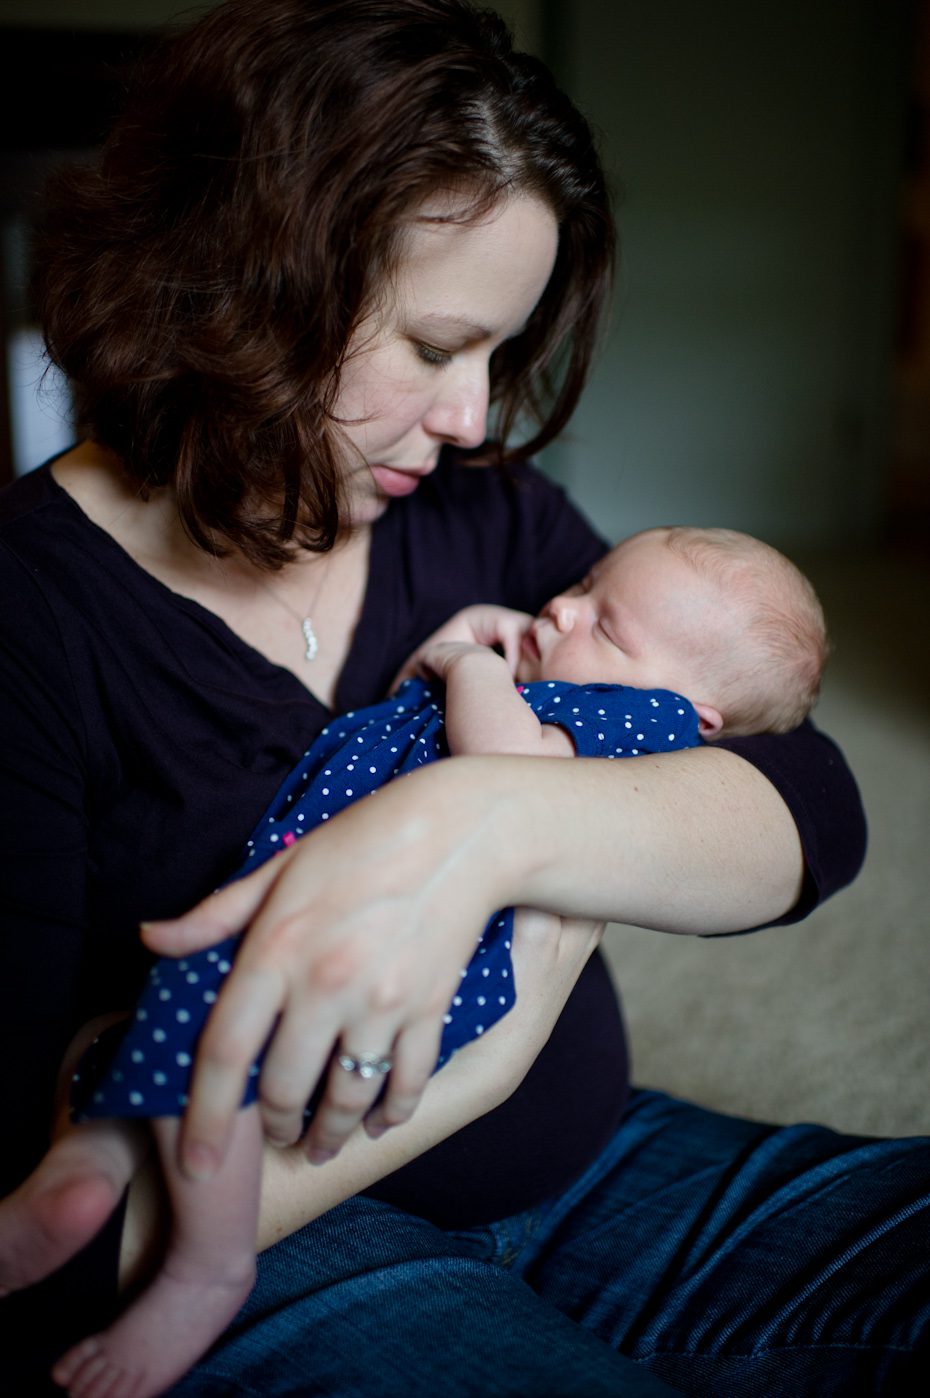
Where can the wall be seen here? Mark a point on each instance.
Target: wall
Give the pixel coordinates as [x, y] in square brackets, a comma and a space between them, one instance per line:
[757, 153]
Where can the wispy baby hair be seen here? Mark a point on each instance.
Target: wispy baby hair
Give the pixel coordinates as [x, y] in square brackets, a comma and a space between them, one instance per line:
[781, 636]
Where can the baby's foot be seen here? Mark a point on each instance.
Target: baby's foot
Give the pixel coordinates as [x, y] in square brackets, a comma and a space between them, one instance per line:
[65, 1201]
[157, 1340]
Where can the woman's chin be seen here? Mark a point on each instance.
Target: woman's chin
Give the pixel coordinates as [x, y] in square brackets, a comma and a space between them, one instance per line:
[365, 511]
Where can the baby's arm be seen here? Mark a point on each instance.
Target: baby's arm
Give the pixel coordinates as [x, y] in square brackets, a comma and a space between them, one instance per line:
[484, 711]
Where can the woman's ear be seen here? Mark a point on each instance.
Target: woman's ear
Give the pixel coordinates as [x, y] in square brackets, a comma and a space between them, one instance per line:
[710, 721]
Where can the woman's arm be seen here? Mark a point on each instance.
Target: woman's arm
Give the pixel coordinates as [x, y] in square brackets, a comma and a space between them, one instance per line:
[360, 929]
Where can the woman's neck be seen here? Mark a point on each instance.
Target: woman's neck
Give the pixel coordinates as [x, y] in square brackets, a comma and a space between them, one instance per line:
[318, 595]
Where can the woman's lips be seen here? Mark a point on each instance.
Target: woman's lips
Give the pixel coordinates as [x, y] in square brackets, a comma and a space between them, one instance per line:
[396, 483]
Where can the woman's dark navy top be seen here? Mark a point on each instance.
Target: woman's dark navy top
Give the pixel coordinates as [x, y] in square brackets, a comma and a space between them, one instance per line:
[141, 740]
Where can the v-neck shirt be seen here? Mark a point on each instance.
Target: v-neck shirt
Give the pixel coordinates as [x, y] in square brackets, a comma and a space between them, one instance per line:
[142, 739]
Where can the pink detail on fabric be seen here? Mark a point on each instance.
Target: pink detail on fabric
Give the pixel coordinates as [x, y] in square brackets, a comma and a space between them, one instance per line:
[290, 838]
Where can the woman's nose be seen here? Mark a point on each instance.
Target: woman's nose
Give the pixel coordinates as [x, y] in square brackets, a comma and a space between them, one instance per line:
[459, 413]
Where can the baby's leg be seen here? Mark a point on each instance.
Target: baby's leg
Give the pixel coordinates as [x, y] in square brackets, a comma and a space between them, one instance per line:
[67, 1199]
[205, 1275]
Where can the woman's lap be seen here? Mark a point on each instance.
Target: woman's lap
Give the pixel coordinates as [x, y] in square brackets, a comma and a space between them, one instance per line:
[725, 1256]
[733, 1257]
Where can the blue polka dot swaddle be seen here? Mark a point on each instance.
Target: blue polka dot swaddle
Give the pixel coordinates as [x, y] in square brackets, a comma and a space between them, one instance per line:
[353, 757]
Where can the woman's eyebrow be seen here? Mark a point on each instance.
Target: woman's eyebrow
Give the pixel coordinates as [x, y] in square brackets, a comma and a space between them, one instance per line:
[448, 320]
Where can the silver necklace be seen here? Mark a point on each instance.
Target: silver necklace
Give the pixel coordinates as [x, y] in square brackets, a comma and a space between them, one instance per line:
[304, 619]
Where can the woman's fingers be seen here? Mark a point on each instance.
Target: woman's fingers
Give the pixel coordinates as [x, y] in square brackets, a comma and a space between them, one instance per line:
[361, 1062]
[295, 1061]
[415, 1053]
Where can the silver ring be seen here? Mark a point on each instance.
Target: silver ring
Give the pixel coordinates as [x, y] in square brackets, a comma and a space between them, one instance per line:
[366, 1065]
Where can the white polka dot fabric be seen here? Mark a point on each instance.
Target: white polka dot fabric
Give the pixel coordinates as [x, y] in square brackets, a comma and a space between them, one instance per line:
[352, 758]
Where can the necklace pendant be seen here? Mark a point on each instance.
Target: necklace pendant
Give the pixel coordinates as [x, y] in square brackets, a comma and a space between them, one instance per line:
[313, 644]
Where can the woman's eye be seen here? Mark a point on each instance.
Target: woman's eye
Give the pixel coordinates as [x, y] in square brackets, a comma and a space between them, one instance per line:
[430, 355]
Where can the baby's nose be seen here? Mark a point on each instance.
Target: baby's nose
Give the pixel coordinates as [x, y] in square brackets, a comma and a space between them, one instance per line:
[562, 611]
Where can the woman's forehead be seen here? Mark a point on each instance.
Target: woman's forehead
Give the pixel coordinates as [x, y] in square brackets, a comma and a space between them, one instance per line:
[486, 274]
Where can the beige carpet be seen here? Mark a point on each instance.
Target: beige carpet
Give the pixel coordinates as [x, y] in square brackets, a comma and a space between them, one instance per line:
[829, 1020]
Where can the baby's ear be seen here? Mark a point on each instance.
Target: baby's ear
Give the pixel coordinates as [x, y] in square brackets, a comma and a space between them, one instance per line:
[710, 721]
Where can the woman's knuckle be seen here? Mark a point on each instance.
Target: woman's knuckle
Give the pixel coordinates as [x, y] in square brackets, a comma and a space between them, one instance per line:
[386, 996]
[278, 1101]
[336, 969]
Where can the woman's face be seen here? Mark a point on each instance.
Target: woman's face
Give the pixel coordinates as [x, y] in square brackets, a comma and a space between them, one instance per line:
[416, 374]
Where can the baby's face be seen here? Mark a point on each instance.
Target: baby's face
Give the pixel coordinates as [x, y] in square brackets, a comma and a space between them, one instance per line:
[643, 617]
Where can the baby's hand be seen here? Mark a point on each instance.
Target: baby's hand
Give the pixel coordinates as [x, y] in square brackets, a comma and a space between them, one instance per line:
[439, 658]
[482, 625]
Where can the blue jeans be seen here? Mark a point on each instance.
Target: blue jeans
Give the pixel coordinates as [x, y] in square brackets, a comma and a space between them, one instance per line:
[699, 1253]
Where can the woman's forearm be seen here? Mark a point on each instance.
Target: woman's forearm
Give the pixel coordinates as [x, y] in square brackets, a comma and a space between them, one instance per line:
[366, 922]
[696, 841]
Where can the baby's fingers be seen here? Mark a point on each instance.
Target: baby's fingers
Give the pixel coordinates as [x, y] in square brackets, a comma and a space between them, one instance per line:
[511, 639]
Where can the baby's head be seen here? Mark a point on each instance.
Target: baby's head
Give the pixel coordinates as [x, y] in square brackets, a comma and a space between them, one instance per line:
[711, 614]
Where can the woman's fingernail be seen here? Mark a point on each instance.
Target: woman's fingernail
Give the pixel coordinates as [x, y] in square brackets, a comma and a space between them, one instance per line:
[374, 1129]
[317, 1156]
[200, 1162]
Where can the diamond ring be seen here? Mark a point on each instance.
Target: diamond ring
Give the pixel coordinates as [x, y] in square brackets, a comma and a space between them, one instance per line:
[365, 1065]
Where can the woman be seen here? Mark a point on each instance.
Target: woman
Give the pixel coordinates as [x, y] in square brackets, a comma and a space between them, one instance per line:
[323, 239]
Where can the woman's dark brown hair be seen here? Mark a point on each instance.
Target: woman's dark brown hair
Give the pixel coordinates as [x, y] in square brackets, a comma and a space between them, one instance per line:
[201, 283]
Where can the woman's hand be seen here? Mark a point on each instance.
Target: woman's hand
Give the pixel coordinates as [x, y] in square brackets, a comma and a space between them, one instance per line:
[549, 954]
[356, 939]
[356, 935]
[501, 628]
